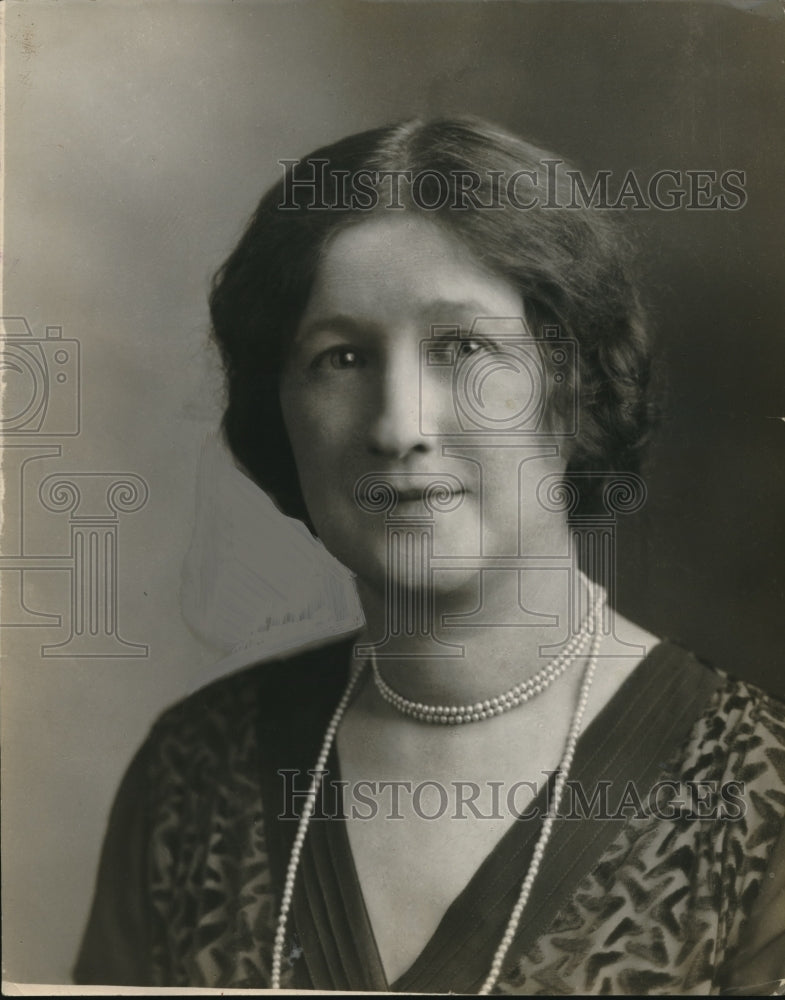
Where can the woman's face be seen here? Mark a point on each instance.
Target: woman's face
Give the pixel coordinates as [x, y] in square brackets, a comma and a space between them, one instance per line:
[369, 387]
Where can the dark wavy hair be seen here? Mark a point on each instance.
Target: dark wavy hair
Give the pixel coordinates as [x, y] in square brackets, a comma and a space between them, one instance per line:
[570, 264]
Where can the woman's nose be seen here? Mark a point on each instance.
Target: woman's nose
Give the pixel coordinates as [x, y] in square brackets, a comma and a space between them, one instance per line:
[396, 427]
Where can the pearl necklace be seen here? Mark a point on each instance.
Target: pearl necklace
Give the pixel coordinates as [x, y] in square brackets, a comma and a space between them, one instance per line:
[452, 715]
[562, 775]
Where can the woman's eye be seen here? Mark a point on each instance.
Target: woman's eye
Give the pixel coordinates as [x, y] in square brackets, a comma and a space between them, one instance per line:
[469, 347]
[344, 358]
[340, 358]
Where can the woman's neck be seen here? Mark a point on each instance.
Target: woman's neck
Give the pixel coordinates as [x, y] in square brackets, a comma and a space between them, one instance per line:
[520, 623]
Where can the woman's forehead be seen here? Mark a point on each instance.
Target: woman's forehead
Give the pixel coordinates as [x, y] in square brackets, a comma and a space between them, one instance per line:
[400, 263]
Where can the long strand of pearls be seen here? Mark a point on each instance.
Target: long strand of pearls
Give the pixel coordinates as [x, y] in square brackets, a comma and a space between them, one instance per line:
[547, 826]
[451, 715]
[302, 829]
[598, 600]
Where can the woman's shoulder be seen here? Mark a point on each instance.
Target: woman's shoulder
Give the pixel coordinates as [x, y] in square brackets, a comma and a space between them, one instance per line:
[740, 703]
[740, 733]
[733, 696]
[737, 728]
[231, 711]
[749, 719]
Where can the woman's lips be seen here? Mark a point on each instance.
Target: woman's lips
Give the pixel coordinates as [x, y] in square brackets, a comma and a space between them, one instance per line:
[433, 490]
[407, 496]
[388, 491]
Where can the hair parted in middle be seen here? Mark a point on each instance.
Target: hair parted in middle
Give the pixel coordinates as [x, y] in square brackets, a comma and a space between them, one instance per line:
[570, 263]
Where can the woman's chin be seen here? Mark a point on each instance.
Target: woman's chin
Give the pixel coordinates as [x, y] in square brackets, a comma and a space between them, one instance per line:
[398, 557]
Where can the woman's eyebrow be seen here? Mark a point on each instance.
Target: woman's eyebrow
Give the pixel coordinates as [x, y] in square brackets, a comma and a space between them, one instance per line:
[455, 308]
[339, 323]
[432, 311]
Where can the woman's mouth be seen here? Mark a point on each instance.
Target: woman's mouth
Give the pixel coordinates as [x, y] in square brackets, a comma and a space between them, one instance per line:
[386, 492]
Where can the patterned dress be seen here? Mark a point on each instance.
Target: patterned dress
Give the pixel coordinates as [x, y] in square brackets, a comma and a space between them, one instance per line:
[671, 881]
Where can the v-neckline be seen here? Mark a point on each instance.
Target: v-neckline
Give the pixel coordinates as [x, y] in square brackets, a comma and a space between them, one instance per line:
[660, 699]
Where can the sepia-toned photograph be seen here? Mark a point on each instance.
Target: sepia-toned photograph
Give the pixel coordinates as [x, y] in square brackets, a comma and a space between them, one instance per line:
[392, 434]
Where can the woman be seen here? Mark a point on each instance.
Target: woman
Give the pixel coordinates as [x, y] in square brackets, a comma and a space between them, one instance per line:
[429, 343]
